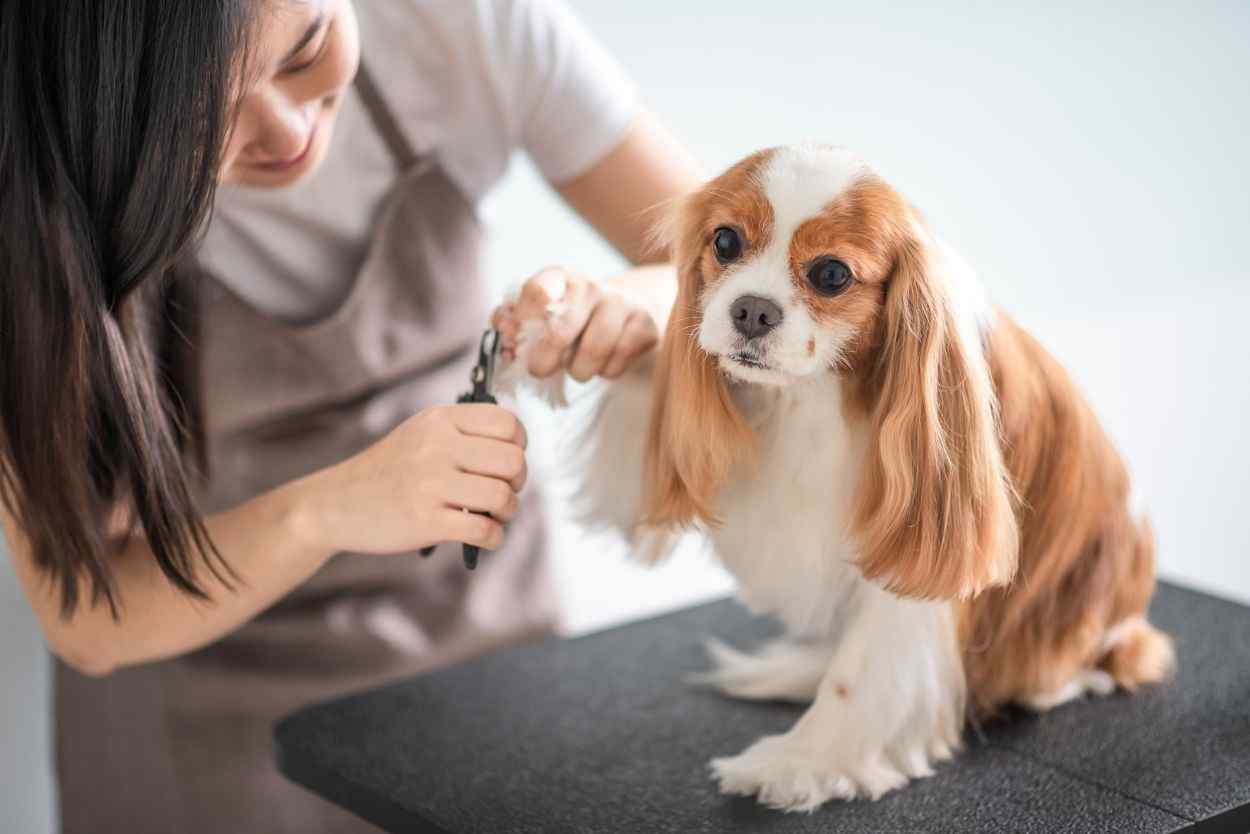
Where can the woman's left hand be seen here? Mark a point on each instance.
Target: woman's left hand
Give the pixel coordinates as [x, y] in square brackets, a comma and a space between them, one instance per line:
[592, 329]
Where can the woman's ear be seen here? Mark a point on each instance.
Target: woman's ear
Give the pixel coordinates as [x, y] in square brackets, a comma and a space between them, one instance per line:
[934, 514]
[697, 436]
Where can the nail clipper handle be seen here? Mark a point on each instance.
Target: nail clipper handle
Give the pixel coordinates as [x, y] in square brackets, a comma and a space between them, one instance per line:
[472, 551]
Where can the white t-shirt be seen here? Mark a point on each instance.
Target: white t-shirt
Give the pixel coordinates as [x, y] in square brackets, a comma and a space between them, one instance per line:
[469, 81]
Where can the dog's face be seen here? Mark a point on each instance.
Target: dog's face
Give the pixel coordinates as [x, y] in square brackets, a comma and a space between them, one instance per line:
[793, 251]
[799, 262]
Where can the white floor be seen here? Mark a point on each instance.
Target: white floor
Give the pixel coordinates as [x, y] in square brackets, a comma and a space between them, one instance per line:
[1089, 160]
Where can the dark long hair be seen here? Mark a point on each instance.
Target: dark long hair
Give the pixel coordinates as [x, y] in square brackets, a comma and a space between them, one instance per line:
[113, 119]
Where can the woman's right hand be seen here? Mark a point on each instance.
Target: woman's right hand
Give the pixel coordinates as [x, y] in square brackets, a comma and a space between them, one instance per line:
[410, 490]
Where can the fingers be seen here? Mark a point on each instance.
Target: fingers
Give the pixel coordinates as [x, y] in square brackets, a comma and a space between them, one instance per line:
[491, 421]
[486, 495]
[563, 330]
[470, 528]
[638, 336]
[494, 459]
[540, 292]
[593, 333]
[598, 341]
[532, 304]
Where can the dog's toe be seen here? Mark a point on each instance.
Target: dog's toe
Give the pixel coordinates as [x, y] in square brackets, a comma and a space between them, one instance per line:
[914, 762]
[787, 778]
[876, 778]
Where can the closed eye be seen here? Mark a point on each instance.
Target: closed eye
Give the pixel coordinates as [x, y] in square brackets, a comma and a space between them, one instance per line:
[308, 56]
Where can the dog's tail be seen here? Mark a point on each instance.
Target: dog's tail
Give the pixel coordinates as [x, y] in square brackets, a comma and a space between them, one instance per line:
[1135, 652]
[1142, 654]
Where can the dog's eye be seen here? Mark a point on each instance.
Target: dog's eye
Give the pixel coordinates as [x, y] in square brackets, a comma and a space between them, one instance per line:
[829, 276]
[727, 245]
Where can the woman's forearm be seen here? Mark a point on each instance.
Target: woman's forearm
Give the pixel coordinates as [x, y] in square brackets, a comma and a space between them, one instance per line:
[268, 543]
[626, 193]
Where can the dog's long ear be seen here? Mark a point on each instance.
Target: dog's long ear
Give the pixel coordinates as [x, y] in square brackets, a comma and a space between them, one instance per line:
[934, 514]
[697, 435]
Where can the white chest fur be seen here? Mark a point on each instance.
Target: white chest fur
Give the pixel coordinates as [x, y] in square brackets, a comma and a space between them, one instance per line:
[785, 532]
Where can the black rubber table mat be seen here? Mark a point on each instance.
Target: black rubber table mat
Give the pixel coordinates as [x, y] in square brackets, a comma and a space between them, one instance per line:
[600, 734]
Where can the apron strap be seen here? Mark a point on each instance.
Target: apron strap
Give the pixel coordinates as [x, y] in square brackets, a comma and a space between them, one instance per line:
[384, 121]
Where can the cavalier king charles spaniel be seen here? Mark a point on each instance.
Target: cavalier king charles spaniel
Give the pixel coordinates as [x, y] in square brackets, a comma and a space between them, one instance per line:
[888, 465]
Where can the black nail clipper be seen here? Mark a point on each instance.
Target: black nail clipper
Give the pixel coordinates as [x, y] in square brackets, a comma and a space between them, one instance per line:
[483, 379]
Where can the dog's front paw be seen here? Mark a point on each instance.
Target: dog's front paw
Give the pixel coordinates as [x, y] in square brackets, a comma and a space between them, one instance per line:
[514, 374]
[785, 775]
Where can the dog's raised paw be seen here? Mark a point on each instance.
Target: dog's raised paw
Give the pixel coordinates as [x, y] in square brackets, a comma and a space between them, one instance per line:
[783, 775]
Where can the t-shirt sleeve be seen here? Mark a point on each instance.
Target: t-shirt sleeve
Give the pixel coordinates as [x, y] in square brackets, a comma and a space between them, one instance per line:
[562, 97]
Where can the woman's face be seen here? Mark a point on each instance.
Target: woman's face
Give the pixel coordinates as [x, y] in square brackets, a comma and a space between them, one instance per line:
[306, 54]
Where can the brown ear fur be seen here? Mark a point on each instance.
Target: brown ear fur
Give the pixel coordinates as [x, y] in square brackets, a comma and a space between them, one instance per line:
[934, 515]
[697, 435]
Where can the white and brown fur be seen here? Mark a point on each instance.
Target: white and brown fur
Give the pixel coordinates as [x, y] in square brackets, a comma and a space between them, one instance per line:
[912, 486]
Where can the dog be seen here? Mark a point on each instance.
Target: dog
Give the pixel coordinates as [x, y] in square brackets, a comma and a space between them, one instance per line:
[888, 464]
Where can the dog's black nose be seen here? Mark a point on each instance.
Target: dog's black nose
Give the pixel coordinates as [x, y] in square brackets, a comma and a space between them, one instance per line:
[754, 316]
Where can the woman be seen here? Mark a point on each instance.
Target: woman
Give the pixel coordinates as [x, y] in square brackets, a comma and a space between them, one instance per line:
[218, 462]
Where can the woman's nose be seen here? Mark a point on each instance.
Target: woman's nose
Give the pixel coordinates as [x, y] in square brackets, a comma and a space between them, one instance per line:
[281, 129]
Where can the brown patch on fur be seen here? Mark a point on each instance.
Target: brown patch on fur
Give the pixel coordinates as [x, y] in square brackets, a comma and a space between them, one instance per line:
[1085, 564]
[697, 437]
[811, 346]
[841, 691]
[860, 227]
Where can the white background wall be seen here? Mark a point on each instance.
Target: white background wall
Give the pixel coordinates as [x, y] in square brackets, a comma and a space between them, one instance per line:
[1091, 163]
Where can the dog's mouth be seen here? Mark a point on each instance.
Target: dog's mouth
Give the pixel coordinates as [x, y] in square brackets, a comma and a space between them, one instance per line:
[749, 367]
[749, 360]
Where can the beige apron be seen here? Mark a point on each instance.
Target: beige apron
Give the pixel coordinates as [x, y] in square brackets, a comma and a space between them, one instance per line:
[185, 745]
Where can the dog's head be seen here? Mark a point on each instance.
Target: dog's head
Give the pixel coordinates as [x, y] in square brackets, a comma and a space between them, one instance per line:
[802, 262]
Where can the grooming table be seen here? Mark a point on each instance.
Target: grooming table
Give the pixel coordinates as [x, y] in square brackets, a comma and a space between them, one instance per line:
[600, 734]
